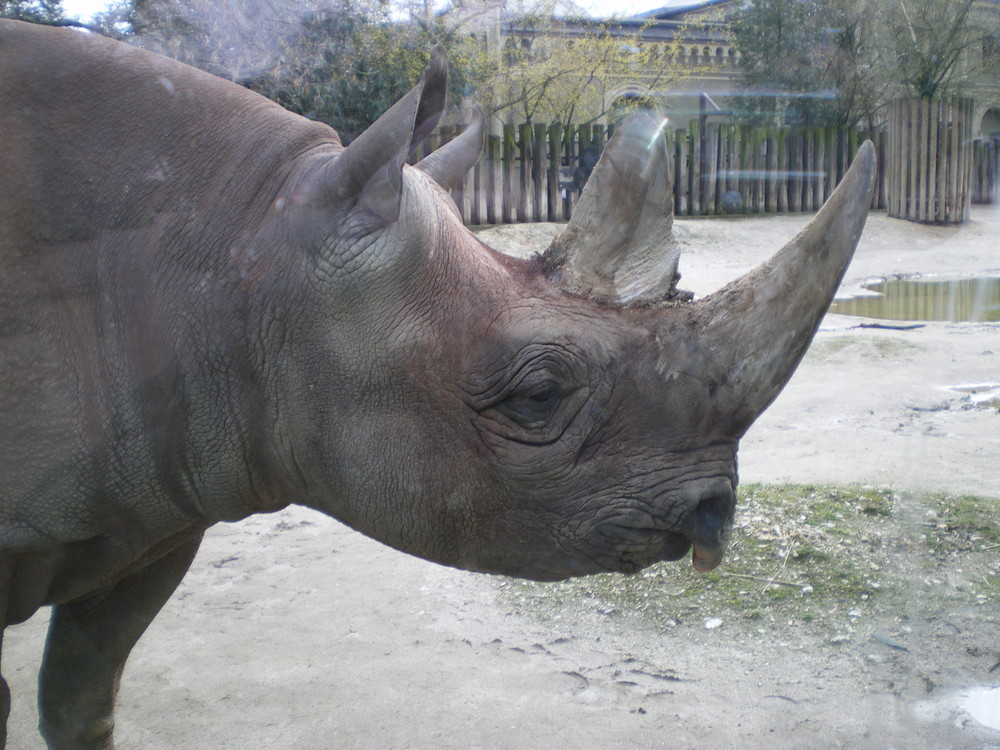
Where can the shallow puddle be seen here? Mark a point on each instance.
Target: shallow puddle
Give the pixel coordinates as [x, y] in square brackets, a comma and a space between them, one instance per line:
[980, 702]
[983, 704]
[984, 395]
[968, 299]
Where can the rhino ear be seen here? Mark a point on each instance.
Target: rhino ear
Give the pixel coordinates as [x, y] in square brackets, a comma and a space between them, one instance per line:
[453, 160]
[618, 247]
[435, 96]
[371, 167]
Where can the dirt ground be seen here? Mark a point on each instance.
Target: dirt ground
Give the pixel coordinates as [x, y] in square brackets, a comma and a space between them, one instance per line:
[291, 631]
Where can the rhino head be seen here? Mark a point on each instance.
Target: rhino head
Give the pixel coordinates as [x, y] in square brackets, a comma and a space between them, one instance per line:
[211, 307]
[564, 415]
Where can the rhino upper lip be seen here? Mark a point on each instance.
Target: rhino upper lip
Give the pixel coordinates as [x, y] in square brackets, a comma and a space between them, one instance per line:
[674, 546]
[638, 547]
[650, 545]
[705, 559]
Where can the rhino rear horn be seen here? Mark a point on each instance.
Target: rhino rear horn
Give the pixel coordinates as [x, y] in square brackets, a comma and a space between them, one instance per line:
[618, 247]
[453, 160]
[371, 167]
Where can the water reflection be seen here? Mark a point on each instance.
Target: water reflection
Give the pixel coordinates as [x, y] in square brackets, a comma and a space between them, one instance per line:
[968, 299]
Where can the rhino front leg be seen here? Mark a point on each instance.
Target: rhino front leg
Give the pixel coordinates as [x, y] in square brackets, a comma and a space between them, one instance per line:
[88, 643]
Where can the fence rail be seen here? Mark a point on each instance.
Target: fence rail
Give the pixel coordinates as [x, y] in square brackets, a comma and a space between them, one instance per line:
[534, 173]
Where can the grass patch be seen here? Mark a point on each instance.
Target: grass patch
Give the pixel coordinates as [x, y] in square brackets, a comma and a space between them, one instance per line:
[803, 554]
[972, 518]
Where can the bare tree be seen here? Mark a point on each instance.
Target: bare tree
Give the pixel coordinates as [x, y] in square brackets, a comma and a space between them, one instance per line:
[936, 44]
[565, 69]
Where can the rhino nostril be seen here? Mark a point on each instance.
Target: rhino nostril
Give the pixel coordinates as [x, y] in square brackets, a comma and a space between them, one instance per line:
[713, 517]
[711, 524]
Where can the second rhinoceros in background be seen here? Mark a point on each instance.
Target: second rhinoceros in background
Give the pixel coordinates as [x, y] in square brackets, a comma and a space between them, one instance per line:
[211, 307]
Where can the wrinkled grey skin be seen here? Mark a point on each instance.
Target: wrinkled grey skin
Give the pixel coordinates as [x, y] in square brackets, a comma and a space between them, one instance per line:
[210, 308]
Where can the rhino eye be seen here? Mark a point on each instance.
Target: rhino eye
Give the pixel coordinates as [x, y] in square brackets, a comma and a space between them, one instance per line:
[532, 407]
[534, 396]
[544, 397]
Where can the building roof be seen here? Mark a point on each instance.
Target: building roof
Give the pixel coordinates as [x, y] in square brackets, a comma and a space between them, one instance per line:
[680, 9]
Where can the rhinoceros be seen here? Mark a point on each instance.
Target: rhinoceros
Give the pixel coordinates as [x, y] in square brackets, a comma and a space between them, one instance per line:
[212, 308]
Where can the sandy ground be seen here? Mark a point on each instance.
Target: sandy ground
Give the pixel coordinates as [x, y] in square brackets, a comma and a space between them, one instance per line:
[293, 632]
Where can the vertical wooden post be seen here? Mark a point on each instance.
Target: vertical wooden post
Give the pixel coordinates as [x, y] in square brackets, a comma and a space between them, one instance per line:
[755, 164]
[912, 156]
[682, 187]
[538, 170]
[524, 149]
[830, 160]
[770, 168]
[507, 176]
[738, 167]
[555, 161]
[781, 171]
[894, 157]
[711, 176]
[696, 161]
[933, 211]
[476, 193]
[968, 112]
[492, 173]
[808, 180]
[794, 148]
[570, 151]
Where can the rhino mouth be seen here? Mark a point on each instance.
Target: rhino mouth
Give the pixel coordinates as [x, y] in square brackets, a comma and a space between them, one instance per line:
[616, 549]
[675, 546]
[704, 531]
[703, 557]
[650, 546]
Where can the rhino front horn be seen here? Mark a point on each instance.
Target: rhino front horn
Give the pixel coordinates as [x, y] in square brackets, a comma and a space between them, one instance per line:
[756, 329]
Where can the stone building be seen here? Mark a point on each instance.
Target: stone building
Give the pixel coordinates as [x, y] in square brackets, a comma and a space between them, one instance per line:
[986, 89]
[686, 47]
[690, 39]
[702, 28]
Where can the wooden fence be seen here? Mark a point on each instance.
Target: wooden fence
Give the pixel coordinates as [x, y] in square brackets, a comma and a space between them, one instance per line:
[734, 169]
[534, 173]
[929, 164]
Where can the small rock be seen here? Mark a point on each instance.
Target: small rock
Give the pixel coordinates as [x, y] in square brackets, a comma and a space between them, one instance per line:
[713, 622]
[887, 641]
